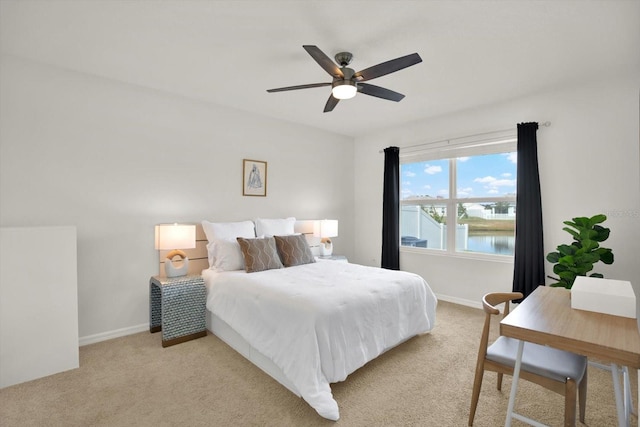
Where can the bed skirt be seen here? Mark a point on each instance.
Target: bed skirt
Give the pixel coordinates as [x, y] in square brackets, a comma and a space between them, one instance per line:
[226, 333]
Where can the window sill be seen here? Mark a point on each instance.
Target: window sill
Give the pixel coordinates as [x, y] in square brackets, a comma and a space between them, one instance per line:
[478, 256]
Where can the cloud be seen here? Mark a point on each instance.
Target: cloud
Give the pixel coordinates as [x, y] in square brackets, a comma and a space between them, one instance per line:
[426, 187]
[512, 157]
[410, 174]
[432, 170]
[463, 159]
[406, 182]
[492, 184]
[486, 179]
[506, 175]
[464, 192]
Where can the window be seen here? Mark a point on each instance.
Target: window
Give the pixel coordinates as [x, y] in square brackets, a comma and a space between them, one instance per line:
[460, 197]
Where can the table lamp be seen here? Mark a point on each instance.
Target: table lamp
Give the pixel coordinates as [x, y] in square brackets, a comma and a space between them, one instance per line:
[325, 229]
[175, 237]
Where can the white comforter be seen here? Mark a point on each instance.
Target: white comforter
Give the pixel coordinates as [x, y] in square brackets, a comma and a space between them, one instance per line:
[320, 322]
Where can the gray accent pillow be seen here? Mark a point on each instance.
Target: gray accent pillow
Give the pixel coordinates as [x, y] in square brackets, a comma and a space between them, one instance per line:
[259, 254]
[294, 250]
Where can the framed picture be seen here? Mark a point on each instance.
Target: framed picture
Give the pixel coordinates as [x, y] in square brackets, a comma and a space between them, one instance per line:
[254, 178]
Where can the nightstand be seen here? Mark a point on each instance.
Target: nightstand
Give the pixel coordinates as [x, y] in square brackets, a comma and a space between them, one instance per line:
[341, 258]
[177, 308]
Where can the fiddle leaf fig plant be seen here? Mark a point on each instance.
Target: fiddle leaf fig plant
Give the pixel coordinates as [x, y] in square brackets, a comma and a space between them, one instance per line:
[579, 257]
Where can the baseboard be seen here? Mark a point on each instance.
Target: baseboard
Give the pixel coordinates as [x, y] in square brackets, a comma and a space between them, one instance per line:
[103, 336]
[460, 301]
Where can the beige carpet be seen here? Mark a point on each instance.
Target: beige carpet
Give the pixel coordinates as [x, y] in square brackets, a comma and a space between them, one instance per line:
[133, 381]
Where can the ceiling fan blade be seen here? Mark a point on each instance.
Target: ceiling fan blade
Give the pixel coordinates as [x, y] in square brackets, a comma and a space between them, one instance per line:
[379, 92]
[331, 103]
[309, 86]
[324, 61]
[387, 67]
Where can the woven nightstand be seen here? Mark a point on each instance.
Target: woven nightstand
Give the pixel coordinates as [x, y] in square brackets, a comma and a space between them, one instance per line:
[177, 308]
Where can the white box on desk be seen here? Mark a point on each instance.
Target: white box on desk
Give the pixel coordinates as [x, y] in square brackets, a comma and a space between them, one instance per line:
[604, 296]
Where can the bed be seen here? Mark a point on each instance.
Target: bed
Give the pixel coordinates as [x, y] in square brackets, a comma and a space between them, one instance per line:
[307, 324]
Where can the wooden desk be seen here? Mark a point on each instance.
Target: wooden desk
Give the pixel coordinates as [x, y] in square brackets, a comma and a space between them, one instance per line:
[546, 317]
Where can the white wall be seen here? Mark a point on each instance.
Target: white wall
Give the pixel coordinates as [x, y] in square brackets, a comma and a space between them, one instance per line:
[589, 163]
[115, 159]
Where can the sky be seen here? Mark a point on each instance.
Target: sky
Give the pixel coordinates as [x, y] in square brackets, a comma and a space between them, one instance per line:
[491, 175]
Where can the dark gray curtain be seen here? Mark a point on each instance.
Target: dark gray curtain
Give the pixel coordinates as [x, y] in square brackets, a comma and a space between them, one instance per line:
[528, 271]
[391, 210]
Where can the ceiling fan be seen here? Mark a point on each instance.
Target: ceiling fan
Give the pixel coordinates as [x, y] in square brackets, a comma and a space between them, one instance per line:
[346, 83]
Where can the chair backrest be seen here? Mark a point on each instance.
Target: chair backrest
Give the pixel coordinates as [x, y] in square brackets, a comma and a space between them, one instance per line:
[489, 303]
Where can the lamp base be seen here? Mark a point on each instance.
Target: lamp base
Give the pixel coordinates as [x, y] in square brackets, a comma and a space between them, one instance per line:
[326, 247]
[172, 271]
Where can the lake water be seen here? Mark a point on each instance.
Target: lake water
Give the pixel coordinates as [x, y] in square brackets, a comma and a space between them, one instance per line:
[500, 244]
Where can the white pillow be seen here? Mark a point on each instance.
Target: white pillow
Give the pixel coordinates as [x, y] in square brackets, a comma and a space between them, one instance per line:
[227, 255]
[275, 227]
[226, 231]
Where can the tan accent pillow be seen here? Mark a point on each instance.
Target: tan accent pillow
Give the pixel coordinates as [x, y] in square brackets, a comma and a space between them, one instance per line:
[259, 254]
[294, 250]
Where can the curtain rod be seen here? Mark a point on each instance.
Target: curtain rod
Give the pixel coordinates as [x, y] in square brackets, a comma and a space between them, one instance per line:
[545, 124]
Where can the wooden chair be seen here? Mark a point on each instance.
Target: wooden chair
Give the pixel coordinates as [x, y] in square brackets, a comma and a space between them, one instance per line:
[556, 370]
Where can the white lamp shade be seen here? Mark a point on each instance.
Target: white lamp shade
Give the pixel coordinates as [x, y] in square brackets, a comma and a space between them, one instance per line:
[175, 236]
[326, 228]
[304, 226]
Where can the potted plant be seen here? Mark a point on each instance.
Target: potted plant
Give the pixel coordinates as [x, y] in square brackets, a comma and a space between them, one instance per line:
[578, 258]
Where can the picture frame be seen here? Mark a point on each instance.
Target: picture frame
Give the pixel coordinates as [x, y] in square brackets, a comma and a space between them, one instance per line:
[254, 178]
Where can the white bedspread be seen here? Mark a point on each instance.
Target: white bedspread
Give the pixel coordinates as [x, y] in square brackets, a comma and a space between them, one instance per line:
[320, 322]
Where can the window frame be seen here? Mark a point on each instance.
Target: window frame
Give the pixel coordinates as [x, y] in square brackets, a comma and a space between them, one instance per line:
[477, 145]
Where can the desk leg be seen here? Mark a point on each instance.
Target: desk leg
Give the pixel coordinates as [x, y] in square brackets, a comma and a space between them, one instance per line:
[628, 397]
[623, 420]
[514, 384]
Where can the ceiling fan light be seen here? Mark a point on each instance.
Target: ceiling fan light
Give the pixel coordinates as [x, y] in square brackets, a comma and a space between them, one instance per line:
[344, 90]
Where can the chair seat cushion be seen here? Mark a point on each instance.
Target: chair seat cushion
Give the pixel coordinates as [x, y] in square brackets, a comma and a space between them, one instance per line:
[538, 359]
